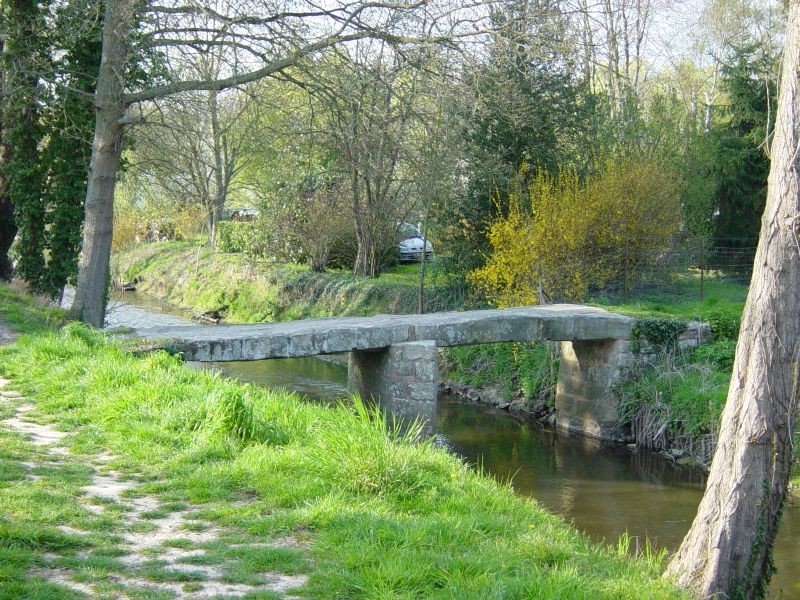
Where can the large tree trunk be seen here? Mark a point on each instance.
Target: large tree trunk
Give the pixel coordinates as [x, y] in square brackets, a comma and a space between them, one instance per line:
[93, 276]
[727, 550]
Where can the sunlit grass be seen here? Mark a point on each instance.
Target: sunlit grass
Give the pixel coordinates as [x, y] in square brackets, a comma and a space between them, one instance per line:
[250, 291]
[378, 514]
[719, 296]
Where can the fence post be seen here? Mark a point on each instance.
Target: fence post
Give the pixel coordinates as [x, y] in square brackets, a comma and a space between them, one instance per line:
[702, 267]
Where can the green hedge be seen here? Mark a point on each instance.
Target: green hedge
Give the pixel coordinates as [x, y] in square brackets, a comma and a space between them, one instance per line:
[248, 237]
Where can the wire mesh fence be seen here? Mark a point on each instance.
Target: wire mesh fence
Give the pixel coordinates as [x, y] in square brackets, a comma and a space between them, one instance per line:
[668, 266]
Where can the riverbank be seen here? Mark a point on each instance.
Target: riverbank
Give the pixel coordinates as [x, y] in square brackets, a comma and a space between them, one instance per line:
[326, 500]
[674, 408]
[239, 289]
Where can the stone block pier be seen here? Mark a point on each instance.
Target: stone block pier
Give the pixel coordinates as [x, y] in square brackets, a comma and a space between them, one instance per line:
[393, 357]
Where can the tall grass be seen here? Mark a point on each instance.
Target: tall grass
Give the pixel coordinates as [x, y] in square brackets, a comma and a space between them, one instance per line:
[388, 515]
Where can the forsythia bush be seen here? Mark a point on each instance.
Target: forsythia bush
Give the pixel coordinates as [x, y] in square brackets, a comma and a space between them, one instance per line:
[573, 235]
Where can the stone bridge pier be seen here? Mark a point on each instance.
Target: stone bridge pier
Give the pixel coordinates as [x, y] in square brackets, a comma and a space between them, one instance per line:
[587, 373]
[403, 378]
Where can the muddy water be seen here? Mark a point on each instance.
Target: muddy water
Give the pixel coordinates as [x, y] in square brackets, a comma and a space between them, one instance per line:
[605, 491]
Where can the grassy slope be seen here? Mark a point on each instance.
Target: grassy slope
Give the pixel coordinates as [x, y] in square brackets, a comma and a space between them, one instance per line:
[386, 518]
[190, 276]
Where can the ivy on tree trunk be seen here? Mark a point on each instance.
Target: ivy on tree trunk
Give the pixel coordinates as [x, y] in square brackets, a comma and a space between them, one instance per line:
[69, 124]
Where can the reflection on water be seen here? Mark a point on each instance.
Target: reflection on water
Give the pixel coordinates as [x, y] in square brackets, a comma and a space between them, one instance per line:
[312, 377]
[605, 491]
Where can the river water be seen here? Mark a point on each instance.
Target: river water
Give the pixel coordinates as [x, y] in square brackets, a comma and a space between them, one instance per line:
[606, 491]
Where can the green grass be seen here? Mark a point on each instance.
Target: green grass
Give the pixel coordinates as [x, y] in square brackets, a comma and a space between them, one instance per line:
[519, 369]
[382, 516]
[720, 297]
[250, 291]
[688, 390]
[26, 315]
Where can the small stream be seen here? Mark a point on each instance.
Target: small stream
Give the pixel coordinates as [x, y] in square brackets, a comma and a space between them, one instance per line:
[606, 491]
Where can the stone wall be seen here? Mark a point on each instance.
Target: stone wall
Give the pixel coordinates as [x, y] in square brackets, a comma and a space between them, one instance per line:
[695, 335]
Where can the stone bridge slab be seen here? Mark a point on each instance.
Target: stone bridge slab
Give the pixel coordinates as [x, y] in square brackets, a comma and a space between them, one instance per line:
[312, 337]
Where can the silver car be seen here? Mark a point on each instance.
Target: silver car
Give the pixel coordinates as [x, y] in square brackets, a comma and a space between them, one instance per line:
[411, 244]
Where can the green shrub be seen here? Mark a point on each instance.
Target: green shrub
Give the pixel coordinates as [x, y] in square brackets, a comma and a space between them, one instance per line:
[248, 237]
[558, 235]
[662, 333]
[720, 354]
[688, 392]
[524, 368]
[724, 324]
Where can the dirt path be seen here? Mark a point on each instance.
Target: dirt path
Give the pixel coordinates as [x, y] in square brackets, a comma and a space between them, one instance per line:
[163, 550]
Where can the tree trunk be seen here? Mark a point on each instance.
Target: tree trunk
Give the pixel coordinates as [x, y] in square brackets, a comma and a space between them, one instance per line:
[91, 294]
[8, 230]
[8, 227]
[218, 199]
[727, 550]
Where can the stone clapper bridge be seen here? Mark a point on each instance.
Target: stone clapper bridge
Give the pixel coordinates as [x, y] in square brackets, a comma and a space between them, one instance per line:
[393, 358]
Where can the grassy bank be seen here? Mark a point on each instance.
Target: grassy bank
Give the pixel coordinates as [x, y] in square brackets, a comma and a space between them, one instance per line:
[249, 291]
[373, 514]
[685, 395]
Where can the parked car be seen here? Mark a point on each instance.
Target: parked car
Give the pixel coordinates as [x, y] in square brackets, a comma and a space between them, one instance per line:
[245, 214]
[411, 244]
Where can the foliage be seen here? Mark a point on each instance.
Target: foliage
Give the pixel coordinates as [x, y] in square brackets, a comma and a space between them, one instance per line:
[248, 237]
[519, 104]
[69, 123]
[370, 98]
[431, 526]
[569, 236]
[25, 50]
[48, 135]
[523, 369]
[741, 144]
[688, 391]
[246, 290]
[724, 324]
[720, 354]
[312, 222]
[136, 222]
[662, 333]
[192, 152]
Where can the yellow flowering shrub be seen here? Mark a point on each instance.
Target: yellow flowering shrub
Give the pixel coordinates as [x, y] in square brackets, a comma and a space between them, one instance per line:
[574, 235]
